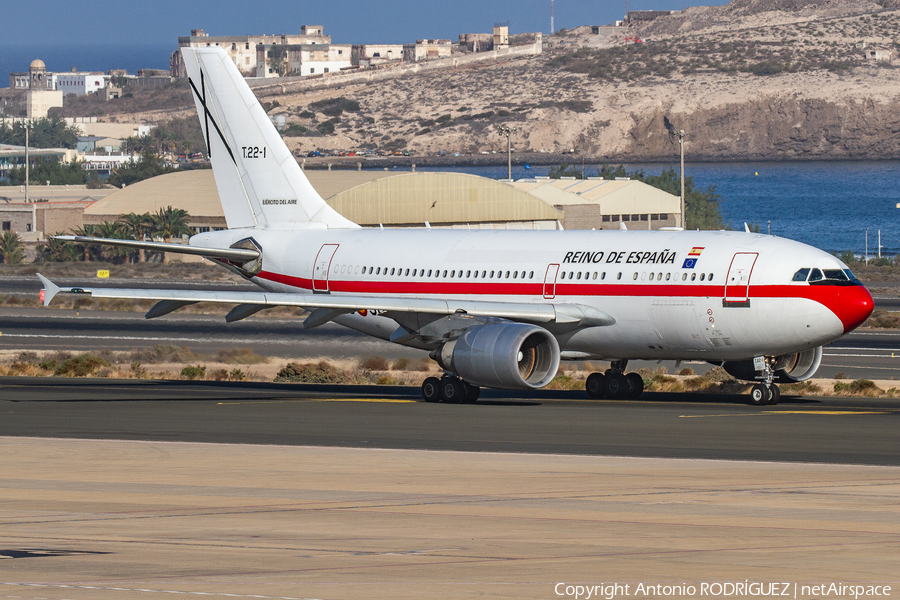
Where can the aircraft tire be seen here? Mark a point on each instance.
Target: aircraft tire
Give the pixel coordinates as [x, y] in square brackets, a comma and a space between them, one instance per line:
[776, 395]
[595, 385]
[760, 394]
[634, 385]
[453, 390]
[431, 389]
[472, 393]
[615, 386]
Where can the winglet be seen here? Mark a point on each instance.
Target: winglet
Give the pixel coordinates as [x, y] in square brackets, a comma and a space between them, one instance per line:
[50, 289]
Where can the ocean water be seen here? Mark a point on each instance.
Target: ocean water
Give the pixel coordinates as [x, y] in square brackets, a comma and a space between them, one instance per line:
[84, 57]
[828, 205]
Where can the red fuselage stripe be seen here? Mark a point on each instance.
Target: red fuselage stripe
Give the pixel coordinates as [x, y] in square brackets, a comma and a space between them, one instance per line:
[474, 288]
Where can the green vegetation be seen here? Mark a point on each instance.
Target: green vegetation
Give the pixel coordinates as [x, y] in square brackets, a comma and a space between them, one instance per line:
[148, 165]
[181, 135]
[11, 250]
[701, 206]
[725, 54]
[47, 168]
[334, 107]
[166, 223]
[42, 133]
[278, 59]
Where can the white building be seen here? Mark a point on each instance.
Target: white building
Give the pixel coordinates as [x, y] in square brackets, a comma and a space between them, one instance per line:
[243, 49]
[370, 55]
[303, 59]
[80, 83]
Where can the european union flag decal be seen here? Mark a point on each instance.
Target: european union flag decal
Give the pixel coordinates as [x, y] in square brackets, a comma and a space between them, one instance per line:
[689, 263]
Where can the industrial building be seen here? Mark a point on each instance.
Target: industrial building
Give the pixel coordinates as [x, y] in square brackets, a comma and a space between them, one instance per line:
[412, 199]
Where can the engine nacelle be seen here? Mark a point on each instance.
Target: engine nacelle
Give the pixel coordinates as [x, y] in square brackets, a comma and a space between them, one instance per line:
[506, 355]
[789, 368]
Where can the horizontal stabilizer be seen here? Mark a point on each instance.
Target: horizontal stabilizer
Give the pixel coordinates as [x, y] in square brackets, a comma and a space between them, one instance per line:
[236, 254]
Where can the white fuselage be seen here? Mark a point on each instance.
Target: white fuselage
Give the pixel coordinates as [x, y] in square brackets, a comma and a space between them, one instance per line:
[673, 294]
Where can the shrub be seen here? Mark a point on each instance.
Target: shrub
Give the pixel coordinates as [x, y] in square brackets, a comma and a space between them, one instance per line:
[243, 356]
[686, 371]
[374, 363]
[322, 372]
[164, 353]
[191, 373]
[80, 366]
[237, 375]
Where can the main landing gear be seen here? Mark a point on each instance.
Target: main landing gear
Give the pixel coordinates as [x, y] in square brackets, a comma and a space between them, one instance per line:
[449, 389]
[615, 383]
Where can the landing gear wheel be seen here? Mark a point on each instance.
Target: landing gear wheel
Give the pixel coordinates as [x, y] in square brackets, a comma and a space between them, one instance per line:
[634, 385]
[776, 395]
[595, 385]
[615, 386]
[472, 393]
[431, 389]
[453, 390]
[760, 394]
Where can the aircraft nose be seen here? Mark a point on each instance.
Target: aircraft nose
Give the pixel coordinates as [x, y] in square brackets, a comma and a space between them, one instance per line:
[852, 305]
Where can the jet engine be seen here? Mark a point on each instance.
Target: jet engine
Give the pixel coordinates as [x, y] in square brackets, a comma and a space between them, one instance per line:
[504, 355]
[789, 368]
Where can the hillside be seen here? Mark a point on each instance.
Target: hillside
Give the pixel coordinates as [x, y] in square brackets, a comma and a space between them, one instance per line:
[752, 80]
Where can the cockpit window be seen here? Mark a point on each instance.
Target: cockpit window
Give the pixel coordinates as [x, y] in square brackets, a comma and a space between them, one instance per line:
[835, 275]
[849, 274]
[801, 275]
[816, 275]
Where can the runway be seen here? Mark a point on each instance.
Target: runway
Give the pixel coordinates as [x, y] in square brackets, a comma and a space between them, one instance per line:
[833, 430]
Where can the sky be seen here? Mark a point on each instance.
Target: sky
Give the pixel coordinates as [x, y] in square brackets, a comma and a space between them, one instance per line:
[63, 22]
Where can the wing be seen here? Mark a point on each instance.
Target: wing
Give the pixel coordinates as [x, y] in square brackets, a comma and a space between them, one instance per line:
[325, 307]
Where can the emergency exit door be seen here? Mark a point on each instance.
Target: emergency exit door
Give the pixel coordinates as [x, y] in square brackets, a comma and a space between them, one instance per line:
[737, 284]
[322, 267]
[550, 281]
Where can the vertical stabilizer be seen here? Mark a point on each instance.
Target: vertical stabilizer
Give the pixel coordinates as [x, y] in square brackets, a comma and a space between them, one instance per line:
[259, 182]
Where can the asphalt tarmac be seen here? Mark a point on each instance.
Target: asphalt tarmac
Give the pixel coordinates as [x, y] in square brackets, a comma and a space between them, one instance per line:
[832, 430]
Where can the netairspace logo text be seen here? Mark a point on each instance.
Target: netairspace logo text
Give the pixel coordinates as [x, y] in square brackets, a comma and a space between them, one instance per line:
[746, 588]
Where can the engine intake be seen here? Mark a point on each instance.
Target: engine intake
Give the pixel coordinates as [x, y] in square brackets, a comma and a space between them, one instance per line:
[507, 356]
[789, 368]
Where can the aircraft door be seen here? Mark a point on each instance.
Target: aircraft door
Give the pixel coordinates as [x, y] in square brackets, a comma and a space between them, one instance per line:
[550, 281]
[322, 266]
[737, 284]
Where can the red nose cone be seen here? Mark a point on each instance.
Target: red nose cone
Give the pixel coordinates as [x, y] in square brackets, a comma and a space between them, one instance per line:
[852, 305]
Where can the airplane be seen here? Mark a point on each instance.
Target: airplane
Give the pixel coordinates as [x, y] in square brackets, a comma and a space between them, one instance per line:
[498, 308]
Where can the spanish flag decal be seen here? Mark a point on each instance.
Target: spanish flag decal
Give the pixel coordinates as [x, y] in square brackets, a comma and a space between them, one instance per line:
[695, 251]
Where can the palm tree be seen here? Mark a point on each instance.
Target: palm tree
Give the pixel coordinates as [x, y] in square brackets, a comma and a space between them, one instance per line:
[113, 230]
[136, 226]
[86, 230]
[54, 250]
[168, 223]
[11, 249]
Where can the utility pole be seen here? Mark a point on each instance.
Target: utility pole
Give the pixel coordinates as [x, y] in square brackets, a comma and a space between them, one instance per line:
[866, 255]
[680, 133]
[551, 18]
[508, 132]
[879, 243]
[27, 174]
